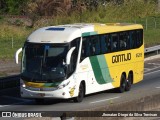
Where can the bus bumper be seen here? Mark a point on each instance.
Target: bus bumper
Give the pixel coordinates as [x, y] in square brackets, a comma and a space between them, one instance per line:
[64, 93]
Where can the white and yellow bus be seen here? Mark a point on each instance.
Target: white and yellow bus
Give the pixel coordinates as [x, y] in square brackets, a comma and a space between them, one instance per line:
[71, 61]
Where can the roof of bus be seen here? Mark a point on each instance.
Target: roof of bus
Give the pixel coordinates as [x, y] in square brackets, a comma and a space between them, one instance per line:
[66, 33]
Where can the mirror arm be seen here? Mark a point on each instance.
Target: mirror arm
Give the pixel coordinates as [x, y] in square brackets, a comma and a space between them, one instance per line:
[69, 55]
[17, 54]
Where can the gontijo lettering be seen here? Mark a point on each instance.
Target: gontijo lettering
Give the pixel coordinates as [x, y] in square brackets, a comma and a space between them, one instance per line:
[121, 58]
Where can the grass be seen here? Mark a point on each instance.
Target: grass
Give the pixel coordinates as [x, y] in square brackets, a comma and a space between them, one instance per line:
[3, 74]
[130, 12]
[152, 37]
[11, 38]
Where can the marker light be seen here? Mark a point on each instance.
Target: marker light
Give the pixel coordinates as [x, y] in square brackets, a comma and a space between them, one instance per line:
[63, 85]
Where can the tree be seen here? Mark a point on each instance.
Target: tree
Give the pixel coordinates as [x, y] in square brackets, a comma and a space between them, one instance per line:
[159, 5]
[2, 6]
[14, 7]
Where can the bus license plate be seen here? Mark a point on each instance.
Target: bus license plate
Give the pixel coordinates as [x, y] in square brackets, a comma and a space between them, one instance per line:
[41, 94]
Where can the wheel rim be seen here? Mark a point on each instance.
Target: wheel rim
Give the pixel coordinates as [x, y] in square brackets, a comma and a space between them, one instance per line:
[129, 82]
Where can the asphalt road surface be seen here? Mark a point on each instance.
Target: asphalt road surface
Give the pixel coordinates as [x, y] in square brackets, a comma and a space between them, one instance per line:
[150, 85]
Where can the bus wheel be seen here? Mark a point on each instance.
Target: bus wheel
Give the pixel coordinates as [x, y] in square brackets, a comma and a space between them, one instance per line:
[129, 82]
[122, 87]
[80, 96]
[39, 101]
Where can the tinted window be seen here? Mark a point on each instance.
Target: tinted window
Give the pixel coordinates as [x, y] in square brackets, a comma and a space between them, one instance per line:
[139, 38]
[95, 45]
[124, 40]
[72, 66]
[136, 38]
[105, 43]
[114, 41]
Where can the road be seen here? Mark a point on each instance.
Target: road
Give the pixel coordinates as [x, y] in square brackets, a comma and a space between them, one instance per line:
[8, 67]
[150, 85]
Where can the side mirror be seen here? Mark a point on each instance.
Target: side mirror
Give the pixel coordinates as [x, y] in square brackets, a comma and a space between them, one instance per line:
[17, 54]
[68, 57]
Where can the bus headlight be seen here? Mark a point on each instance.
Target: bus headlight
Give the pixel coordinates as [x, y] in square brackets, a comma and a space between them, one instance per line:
[63, 85]
[22, 84]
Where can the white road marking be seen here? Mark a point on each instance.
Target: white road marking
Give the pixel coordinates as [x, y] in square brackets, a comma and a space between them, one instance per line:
[105, 100]
[16, 103]
[157, 87]
[152, 72]
[147, 69]
[12, 104]
[151, 63]
[151, 69]
[16, 98]
[4, 105]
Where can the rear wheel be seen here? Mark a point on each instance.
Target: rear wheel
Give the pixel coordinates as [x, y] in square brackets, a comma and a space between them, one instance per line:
[80, 96]
[129, 82]
[122, 87]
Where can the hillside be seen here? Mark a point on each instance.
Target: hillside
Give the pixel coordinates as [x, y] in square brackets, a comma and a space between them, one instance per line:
[16, 26]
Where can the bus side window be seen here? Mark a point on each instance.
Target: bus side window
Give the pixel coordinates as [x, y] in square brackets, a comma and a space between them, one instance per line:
[83, 51]
[103, 43]
[86, 46]
[133, 39]
[130, 42]
[127, 38]
[124, 40]
[95, 45]
[139, 38]
[108, 43]
[115, 45]
[74, 43]
[136, 38]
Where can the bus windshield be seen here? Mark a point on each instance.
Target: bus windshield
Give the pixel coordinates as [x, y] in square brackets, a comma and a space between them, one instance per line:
[44, 62]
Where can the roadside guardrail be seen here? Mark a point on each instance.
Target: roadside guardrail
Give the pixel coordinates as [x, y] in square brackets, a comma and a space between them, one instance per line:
[150, 51]
[14, 81]
[9, 82]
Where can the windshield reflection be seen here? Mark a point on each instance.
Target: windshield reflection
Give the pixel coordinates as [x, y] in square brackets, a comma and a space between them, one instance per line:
[44, 62]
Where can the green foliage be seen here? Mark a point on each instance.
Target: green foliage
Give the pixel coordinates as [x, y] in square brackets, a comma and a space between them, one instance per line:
[11, 38]
[152, 37]
[13, 7]
[132, 11]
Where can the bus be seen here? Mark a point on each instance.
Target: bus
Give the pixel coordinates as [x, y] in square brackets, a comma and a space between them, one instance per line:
[74, 60]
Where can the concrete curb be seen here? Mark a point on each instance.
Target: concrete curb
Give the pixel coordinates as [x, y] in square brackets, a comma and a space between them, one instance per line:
[10, 91]
[152, 57]
[147, 103]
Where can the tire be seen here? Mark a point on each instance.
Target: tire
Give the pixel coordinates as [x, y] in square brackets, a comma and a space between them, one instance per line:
[80, 96]
[39, 101]
[129, 82]
[122, 87]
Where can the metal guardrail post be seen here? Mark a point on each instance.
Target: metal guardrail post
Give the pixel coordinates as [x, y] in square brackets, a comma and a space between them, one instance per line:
[152, 49]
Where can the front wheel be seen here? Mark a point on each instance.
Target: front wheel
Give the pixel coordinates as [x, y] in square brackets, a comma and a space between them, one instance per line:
[80, 96]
